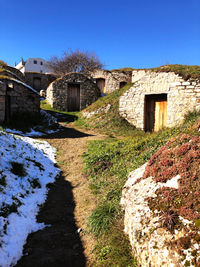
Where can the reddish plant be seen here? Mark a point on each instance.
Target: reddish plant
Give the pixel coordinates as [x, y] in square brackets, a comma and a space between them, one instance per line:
[169, 219]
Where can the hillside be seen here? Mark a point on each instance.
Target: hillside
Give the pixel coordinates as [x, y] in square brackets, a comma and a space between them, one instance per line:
[103, 116]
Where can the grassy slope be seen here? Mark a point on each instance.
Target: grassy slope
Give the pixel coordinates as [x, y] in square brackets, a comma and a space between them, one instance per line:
[186, 71]
[109, 123]
[107, 164]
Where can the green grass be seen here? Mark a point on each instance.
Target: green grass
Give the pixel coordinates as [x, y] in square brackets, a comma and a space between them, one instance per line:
[186, 71]
[111, 98]
[109, 123]
[67, 116]
[107, 164]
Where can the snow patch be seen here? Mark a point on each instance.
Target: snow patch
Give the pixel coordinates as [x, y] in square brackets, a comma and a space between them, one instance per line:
[21, 196]
[36, 133]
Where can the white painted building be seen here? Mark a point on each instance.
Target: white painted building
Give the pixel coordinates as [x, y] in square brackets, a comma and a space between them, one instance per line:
[33, 65]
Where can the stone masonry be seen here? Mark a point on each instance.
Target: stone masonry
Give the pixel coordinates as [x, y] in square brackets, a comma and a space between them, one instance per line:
[44, 80]
[182, 96]
[2, 100]
[112, 79]
[17, 97]
[57, 92]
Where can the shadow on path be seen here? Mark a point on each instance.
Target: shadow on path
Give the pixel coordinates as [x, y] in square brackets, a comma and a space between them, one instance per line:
[66, 133]
[58, 245]
[63, 117]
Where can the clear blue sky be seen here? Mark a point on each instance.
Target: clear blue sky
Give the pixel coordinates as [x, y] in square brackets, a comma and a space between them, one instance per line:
[128, 33]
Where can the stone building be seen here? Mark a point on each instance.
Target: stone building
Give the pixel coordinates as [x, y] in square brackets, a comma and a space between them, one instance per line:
[158, 100]
[39, 81]
[16, 97]
[109, 81]
[72, 92]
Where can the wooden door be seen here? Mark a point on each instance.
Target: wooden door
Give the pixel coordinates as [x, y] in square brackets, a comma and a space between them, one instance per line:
[149, 117]
[37, 83]
[73, 97]
[160, 115]
[101, 85]
[155, 112]
[7, 109]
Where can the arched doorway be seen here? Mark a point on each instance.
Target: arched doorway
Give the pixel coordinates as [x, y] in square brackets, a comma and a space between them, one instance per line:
[73, 97]
[37, 83]
[122, 84]
[101, 85]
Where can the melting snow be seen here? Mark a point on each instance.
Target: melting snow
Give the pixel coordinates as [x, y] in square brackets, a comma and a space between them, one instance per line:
[20, 197]
[33, 133]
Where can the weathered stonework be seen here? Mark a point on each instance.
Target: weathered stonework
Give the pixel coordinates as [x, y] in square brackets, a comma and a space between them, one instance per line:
[149, 240]
[17, 97]
[2, 100]
[57, 92]
[88, 114]
[43, 80]
[182, 97]
[113, 80]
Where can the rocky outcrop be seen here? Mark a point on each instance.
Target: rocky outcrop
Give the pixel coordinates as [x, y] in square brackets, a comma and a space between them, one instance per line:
[89, 114]
[151, 243]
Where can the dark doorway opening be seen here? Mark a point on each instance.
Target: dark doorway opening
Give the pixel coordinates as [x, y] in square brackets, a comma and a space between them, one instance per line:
[37, 83]
[101, 85]
[7, 109]
[155, 115]
[122, 84]
[73, 97]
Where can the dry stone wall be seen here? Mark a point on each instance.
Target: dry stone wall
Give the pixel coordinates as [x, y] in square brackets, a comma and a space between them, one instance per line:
[112, 79]
[20, 98]
[57, 92]
[182, 97]
[44, 80]
[2, 100]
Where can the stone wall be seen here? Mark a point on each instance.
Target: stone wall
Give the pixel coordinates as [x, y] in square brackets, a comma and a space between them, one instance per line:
[57, 92]
[2, 100]
[45, 79]
[23, 99]
[19, 98]
[182, 97]
[112, 79]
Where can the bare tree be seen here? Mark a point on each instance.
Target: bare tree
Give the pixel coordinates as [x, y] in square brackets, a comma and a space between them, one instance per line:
[75, 61]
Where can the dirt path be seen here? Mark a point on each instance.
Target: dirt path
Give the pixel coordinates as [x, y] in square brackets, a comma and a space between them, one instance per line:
[67, 208]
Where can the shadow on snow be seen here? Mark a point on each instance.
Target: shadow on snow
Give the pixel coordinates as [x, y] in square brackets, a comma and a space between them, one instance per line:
[59, 244]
